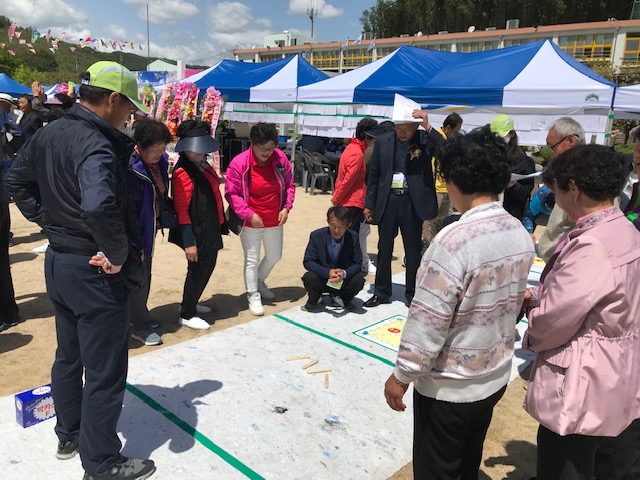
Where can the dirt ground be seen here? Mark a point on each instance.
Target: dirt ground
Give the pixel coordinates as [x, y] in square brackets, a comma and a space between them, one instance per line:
[27, 350]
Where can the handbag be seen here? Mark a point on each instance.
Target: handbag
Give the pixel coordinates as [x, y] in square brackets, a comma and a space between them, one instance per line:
[234, 222]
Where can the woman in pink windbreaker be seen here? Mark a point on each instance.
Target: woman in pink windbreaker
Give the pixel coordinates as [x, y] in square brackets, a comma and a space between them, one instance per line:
[584, 325]
[260, 189]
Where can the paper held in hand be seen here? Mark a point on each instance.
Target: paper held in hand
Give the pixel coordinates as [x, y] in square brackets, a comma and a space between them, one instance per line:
[517, 176]
[403, 108]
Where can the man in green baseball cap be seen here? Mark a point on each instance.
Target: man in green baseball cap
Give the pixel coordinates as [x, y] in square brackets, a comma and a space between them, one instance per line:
[70, 178]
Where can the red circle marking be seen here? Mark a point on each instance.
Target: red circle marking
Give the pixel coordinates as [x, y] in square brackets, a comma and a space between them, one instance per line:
[394, 330]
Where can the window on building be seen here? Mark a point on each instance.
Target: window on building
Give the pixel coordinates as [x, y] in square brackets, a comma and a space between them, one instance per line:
[588, 47]
[632, 48]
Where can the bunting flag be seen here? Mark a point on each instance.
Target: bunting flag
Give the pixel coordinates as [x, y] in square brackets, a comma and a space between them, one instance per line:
[372, 45]
[2, 46]
[12, 30]
[29, 45]
[32, 50]
[114, 44]
[11, 52]
[22, 41]
[48, 35]
[53, 50]
[73, 49]
[35, 34]
[54, 45]
[140, 45]
[18, 33]
[103, 44]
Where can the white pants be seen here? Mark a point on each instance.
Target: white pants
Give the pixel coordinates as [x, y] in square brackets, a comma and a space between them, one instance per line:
[255, 270]
[365, 230]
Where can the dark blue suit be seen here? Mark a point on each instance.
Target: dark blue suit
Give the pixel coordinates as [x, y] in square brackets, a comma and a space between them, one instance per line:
[318, 263]
[406, 212]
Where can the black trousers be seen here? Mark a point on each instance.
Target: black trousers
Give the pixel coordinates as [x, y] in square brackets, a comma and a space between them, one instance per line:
[399, 213]
[8, 307]
[448, 437]
[316, 286]
[198, 275]
[140, 316]
[582, 457]
[357, 217]
[92, 327]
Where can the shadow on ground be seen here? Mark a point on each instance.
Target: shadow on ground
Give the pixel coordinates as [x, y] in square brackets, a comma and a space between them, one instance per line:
[11, 341]
[521, 455]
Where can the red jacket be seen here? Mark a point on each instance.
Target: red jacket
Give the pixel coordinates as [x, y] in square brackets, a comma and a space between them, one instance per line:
[351, 189]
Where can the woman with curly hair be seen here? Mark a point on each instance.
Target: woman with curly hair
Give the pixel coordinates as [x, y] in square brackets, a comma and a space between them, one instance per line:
[458, 340]
[198, 205]
[584, 324]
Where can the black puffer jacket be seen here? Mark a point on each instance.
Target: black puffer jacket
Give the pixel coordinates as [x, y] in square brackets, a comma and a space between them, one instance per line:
[70, 178]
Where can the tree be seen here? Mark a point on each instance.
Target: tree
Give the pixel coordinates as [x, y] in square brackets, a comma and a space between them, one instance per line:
[26, 75]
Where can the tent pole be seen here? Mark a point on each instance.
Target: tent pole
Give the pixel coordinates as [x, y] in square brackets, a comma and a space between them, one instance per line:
[295, 131]
[608, 128]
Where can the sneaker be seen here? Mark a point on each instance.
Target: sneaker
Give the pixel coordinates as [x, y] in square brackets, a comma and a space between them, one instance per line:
[155, 323]
[194, 322]
[67, 450]
[255, 304]
[265, 292]
[336, 302]
[8, 325]
[311, 307]
[369, 268]
[41, 249]
[147, 337]
[126, 469]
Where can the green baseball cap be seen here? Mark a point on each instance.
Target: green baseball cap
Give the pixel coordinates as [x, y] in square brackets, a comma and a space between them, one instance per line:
[113, 76]
[502, 125]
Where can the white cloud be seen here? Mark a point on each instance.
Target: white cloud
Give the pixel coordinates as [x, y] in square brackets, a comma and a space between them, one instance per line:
[232, 23]
[45, 14]
[162, 11]
[116, 32]
[325, 10]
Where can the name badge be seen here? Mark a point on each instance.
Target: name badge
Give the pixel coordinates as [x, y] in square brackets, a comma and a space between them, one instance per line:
[398, 180]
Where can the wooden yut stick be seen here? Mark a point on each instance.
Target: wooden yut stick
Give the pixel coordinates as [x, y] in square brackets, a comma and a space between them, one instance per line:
[299, 357]
[310, 364]
[326, 381]
[319, 370]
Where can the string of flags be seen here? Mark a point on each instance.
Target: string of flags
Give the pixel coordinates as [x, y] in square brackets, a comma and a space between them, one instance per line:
[88, 42]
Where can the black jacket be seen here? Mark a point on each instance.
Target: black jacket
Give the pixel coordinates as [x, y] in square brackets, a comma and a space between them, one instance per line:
[70, 178]
[30, 123]
[419, 174]
[205, 226]
[517, 198]
[316, 257]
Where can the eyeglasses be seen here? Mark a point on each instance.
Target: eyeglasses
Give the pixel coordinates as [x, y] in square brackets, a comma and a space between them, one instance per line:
[553, 147]
[134, 109]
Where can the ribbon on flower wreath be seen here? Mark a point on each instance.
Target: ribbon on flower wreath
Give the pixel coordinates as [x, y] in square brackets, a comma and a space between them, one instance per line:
[211, 111]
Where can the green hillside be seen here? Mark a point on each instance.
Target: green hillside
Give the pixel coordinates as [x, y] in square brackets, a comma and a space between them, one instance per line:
[64, 65]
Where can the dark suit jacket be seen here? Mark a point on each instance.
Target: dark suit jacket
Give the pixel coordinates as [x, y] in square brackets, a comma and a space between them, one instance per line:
[316, 257]
[419, 174]
[30, 123]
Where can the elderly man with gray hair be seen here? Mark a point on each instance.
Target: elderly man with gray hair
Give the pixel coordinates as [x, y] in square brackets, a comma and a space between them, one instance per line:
[564, 134]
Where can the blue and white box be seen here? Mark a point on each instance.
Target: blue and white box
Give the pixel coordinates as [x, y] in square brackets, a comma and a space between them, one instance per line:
[34, 406]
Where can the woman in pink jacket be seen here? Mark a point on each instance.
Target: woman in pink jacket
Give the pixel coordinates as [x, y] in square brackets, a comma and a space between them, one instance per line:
[584, 322]
[260, 189]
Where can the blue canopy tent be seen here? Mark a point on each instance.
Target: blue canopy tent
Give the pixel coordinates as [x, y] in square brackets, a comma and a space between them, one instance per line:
[13, 88]
[537, 80]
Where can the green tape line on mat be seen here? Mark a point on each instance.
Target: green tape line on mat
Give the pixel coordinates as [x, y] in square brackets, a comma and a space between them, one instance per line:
[344, 344]
[205, 441]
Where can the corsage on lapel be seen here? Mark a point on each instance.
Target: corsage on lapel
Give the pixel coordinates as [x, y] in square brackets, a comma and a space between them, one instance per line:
[414, 152]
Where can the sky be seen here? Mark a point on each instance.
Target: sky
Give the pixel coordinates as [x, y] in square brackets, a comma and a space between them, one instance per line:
[197, 31]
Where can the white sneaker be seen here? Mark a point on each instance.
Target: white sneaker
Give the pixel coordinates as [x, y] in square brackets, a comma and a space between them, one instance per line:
[41, 249]
[265, 292]
[369, 268]
[194, 322]
[199, 309]
[255, 304]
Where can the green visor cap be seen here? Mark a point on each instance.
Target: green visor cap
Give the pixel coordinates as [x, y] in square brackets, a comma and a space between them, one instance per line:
[113, 76]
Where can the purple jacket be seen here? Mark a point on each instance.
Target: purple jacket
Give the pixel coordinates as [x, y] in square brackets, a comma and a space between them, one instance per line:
[586, 331]
[236, 187]
[143, 199]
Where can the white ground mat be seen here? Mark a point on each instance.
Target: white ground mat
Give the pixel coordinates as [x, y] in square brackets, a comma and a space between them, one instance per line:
[229, 405]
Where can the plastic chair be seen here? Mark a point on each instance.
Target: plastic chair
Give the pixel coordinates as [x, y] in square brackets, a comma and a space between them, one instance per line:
[333, 166]
[299, 168]
[317, 171]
